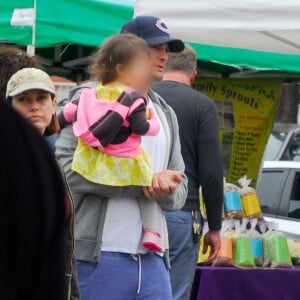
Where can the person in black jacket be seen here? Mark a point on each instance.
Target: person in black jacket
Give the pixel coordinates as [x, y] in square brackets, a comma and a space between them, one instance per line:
[31, 92]
[198, 126]
[32, 215]
[13, 59]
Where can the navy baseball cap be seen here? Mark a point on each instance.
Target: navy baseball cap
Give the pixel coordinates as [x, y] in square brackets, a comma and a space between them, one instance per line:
[154, 31]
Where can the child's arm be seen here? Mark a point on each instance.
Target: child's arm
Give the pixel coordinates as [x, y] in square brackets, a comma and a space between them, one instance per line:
[139, 123]
[66, 116]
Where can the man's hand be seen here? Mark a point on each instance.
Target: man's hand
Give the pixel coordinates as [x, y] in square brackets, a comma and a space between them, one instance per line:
[164, 184]
[212, 239]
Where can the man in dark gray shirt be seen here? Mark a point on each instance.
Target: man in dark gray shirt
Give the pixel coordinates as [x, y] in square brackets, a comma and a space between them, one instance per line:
[198, 126]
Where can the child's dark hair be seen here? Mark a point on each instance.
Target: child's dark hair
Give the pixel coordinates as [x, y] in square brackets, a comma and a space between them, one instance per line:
[119, 49]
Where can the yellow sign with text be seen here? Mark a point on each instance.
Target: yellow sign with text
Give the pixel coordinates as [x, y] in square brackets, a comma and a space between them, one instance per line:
[246, 110]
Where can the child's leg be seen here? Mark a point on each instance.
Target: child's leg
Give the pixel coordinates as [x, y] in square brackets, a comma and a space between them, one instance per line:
[149, 213]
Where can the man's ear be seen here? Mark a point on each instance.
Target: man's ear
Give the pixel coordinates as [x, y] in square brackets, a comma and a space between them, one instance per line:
[193, 76]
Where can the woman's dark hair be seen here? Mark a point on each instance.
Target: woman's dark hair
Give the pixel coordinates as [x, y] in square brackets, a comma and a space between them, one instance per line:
[12, 60]
[53, 127]
[119, 49]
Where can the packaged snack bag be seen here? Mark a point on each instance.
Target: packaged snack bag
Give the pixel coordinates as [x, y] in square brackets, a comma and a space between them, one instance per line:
[262, 226]
[202, 257]
[256, 243]
[267, 228]
[232, 202]
[202, 205]
[294, 248]
[243, 256]
[225, 255]
[250, 200]
[266, 250]
[280, 255]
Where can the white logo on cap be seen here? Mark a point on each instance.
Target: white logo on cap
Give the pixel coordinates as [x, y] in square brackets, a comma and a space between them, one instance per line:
[160, 24]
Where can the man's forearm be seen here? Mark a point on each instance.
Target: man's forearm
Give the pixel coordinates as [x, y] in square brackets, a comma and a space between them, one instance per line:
[213, 199]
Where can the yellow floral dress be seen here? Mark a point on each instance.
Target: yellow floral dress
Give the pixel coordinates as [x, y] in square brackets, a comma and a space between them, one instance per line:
[102, 168]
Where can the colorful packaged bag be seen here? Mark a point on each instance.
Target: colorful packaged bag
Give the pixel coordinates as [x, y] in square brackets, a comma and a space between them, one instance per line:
[250, 202]
[268, 228]
[225, 255]
[256, 243]
[279, 251]
[263, 227]
[232, 202]
[266, 250]
[203, 257]
[294, 248]
[243, 256]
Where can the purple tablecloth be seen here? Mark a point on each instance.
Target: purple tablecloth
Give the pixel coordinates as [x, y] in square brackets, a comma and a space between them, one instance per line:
[213, 283]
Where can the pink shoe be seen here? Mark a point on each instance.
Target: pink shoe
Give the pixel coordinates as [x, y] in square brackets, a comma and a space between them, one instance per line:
[152, 241]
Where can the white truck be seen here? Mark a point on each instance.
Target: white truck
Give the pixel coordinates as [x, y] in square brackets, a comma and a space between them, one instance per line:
[279, 194]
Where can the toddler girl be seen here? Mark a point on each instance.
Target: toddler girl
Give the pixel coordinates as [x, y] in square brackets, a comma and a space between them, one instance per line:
[110, 120]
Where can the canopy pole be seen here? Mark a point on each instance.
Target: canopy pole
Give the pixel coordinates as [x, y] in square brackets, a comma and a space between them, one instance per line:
[31, 48]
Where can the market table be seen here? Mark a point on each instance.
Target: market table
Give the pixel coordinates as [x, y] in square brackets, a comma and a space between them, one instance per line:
[216, 283]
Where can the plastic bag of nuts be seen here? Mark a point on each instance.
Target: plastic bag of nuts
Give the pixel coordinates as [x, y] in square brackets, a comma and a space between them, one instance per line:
[232, 202]
[250, 202]
[263, 227]
[243, 256]
[279, 250]
[225, 254]
[256, 243]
